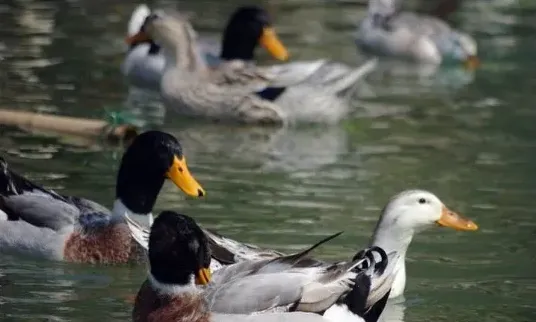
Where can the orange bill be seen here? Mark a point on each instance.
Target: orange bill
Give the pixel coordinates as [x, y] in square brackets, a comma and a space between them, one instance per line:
[472, 63]
[179, 174]
[203, 276]
[453, 220]
[140, 37]
[272, 44]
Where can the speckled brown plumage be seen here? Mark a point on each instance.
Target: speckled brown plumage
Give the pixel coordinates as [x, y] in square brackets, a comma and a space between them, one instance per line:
[107, 245]
[153, 307]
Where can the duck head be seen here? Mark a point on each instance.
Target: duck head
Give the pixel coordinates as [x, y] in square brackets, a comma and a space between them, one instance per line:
[152, 158]
[248, 27]
[412, 211]
[175, 35]
[456, 46]
[179, 254]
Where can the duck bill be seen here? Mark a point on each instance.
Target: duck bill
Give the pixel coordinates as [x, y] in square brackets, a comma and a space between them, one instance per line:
[138, 38]
[179, 174]
[453, 220]
[472, 62]
[272, 44]
[203, 276]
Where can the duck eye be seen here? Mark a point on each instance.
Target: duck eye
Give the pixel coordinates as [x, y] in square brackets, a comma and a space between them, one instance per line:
[422, 201]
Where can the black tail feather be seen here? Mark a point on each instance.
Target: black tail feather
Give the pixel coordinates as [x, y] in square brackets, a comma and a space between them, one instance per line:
[12, 184]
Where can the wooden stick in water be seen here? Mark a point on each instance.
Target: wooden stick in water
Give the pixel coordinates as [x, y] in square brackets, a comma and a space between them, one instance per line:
[67, 125]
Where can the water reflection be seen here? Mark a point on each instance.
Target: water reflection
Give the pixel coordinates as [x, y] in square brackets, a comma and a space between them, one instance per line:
[469, 138]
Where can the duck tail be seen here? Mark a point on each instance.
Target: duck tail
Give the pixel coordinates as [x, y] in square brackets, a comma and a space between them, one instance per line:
[346, 84]
[300, 259]
[137, 19]
[11, 183]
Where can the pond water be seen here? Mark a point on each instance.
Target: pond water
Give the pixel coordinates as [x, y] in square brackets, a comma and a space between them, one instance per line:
[470, 139]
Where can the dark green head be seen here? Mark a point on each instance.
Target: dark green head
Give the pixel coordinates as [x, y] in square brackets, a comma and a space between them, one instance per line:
[151, 158]
[178, 250]
[248, 27]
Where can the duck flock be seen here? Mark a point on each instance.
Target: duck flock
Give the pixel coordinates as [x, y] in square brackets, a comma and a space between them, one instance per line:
[195, 274]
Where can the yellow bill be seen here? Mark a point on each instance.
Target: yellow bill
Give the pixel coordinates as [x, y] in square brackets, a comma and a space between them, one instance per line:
[272, 44]
[181, 177]
[140, 37]
[471, 63]
[203, 276]
[453, 220]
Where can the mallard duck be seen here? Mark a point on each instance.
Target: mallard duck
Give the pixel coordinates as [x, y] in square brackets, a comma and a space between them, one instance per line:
[179, 258]
[405, 214]
[387, 31]
[247, 27]
[44, 223]
[185, 87]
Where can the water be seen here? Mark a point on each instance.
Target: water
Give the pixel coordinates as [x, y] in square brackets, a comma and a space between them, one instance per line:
[468, 138]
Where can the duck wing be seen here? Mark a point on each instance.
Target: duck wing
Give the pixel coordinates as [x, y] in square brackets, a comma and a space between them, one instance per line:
[24, 200]
[310, 289]
[230, 251]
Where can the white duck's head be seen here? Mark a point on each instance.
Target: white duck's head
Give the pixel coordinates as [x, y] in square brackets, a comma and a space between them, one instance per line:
[412, 211]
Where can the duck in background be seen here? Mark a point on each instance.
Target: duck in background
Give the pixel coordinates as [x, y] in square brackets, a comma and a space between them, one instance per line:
[388, 31]
[43, 223]
[187, 87]
[281, 289]
[144, 63]
[247, 28]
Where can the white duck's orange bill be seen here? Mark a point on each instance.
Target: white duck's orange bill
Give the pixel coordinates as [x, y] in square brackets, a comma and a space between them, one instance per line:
[453, 220]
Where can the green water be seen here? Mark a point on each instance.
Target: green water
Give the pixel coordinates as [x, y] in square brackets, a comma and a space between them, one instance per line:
[470, 139]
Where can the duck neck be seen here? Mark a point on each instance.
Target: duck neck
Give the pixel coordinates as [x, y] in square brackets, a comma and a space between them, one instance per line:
[184, 58]
[171, 289]
[120, 210]
[394, 239]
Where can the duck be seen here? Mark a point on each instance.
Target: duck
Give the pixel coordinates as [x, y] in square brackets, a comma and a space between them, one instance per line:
[388, 31]
[234, 57]
[406, 214]
[42, 223]
[249, 26]
[186, 87]
[181, 287]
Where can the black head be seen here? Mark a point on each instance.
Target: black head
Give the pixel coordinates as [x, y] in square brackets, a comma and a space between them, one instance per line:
[153, 157]
[248, 27]
[178, 249]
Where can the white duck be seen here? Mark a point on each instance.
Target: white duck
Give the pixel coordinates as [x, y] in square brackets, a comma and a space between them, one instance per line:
[387, 31]
[406, 214]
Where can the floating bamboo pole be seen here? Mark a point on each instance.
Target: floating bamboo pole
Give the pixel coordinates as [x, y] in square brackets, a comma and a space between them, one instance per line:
[67, 125]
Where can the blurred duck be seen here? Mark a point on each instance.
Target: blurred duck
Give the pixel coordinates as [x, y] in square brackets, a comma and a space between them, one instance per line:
[234, 59]
[387, 31]
[42, 223]
[407, 213]
[181, 287]
[189, 88]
